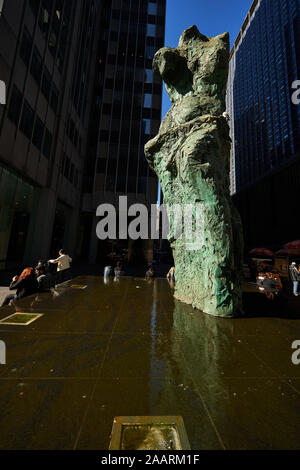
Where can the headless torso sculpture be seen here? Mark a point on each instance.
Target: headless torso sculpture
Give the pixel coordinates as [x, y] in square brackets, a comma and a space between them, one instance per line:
[191, 155]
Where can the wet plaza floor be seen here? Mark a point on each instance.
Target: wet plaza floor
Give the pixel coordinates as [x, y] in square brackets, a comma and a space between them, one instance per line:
[129, 349]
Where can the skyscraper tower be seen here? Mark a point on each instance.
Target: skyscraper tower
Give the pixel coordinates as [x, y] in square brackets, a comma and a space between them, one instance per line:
[46, 55]
[126, 111]
[265, 120]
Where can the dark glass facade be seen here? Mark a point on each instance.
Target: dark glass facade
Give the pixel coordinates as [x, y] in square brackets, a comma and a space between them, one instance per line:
[127, 101]
[47, 56]
[267, 62]
[265, 123]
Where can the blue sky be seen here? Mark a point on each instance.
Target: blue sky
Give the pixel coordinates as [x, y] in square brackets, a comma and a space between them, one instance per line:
[212, 17]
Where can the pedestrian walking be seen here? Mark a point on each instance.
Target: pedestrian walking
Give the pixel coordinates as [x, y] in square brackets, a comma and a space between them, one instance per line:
[295, 277]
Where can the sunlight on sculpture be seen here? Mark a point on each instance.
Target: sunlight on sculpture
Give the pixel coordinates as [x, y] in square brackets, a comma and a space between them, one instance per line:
[191, 156]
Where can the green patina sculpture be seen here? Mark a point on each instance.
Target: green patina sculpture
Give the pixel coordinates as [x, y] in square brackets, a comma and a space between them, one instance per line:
[191, 155]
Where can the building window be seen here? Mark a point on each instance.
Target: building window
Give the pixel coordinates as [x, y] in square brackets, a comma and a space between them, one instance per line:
[26, 124]
[71, 176]
[150, 51]
[156, 114]
[47, 144]
[111, 60]
[52, 43]
[101, 165]
[109, 83]
[147, 100]
[35, 5]
[76, 178]
[113, 36]
[151, 30]
[106, 108]
[67, 167]
[104, 135]
[15, 105]
[148, 76]
[156, 89]
[45, 15]
[54, 98]
[36, 65]
[71, 129]
[146, 126]
[38, 133]
[152, 8]
[75, 142]
[46, 83]
[115, 14]
[26, 46]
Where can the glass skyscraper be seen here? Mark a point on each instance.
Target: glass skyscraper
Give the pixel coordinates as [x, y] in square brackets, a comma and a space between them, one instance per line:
[265, 61]
[47, 63]
[265, 124]
[81, 103]
[126, 110]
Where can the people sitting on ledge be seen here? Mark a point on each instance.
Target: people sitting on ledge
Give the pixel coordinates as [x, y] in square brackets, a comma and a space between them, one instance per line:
[25, 285]
[44, 279]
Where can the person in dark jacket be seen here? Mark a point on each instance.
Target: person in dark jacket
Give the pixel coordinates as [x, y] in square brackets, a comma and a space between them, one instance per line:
[295, 277]
[44, 279]
[25, 285]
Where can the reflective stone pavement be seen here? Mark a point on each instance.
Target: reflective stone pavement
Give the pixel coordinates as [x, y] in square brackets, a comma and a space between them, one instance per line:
[127, 348]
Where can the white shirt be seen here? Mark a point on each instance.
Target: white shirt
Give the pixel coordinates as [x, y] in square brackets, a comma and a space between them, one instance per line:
[63, 262]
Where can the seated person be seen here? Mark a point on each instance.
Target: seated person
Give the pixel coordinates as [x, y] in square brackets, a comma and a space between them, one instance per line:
[25, 285]
[150, 273]
[118, 269]
[171, 274]
[45, 279]
[45, 265]
[271, 286]
[260, 281]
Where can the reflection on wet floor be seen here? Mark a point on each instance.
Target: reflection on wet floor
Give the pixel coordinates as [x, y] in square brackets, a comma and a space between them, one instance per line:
[125, 347]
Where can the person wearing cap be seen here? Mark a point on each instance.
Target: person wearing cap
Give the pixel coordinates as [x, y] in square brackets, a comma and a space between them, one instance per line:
[295, 277]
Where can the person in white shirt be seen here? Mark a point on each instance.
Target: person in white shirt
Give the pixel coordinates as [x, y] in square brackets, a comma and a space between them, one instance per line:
[63, 266]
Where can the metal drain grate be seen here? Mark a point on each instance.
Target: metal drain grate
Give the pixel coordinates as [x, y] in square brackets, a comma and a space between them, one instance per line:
[74, 286]
[22, 319]
[149, 433]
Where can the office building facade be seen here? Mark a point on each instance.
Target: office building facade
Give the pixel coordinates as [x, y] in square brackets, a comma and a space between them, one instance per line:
[46, 60]
[265, 122]
[126, 114]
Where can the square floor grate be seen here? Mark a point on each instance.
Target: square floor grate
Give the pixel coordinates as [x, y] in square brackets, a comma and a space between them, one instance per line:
[149, 433]
[22, 319]
[77, 286]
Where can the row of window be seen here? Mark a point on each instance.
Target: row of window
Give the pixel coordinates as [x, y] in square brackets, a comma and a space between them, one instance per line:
[116, 110]
[137, 17]
[139, 87]
[114, 136]
[69, 171]
[42, 77]
[54, 17]
[73, 134]
[34, 129]
[85, 43]
[135, 40]
[138, 60]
